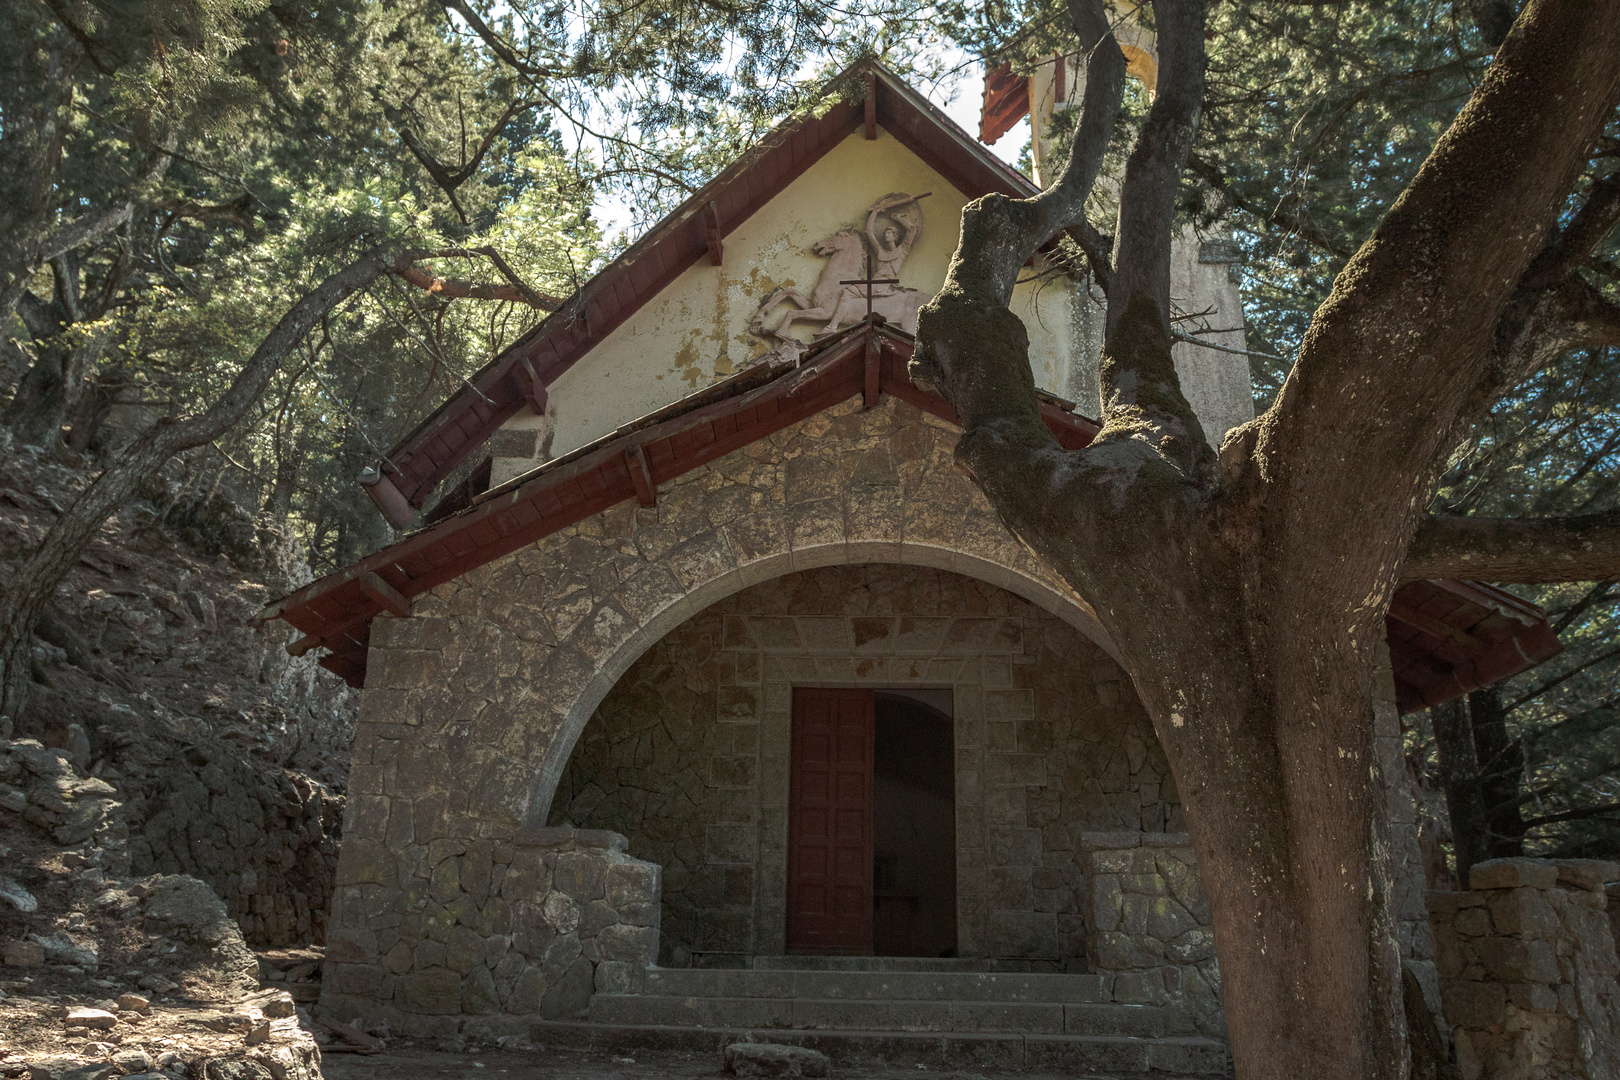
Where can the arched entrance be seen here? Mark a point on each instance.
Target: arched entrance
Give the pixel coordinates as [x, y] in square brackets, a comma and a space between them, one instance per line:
[697, 755]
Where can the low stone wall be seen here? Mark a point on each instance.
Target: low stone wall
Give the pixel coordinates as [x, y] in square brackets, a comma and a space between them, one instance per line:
[1151, 938]
[1527, 969]
[506, 932]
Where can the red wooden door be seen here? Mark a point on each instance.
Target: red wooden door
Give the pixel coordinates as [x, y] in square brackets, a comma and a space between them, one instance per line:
[830, 823]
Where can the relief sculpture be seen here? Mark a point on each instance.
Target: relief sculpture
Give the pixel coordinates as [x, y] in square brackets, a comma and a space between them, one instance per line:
[857, 261]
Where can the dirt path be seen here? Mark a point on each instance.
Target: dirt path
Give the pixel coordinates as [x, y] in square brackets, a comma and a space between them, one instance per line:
[549, 1064]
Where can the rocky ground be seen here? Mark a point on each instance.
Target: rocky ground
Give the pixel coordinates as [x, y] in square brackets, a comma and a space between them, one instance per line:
[170, 801]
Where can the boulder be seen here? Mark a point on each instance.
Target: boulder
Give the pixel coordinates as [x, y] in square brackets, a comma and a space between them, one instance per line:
[24, 953]
[771, 1059]
[101, 1019]
[70, 1068]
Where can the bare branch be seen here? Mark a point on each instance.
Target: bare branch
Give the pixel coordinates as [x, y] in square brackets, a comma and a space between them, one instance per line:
[1295, 223]
[450, 179]
[1098, 250]
[1572, 815]
[1594, 221]
[516, 292]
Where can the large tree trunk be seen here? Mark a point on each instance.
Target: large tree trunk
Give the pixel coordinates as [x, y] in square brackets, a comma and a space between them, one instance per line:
[35, 581]
[1246, 594]
[1501, 760]
[1272, 749]
[1454, 742]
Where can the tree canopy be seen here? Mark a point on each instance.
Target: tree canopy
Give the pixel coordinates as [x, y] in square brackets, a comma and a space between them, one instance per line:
[246, 244]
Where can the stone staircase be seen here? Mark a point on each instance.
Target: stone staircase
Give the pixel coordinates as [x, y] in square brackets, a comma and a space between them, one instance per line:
[895, 1011]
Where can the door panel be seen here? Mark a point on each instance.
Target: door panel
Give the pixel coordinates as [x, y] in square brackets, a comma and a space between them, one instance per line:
[830, 822]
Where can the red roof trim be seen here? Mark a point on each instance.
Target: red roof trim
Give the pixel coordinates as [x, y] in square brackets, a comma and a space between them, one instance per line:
[1446, 638]
[465, 421]
[1006, 101]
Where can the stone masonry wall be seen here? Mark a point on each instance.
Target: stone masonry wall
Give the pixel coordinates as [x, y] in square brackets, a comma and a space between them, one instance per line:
[474, 703]
[526, 928]
[688, 755]
[1151, 938]
[1527, 970]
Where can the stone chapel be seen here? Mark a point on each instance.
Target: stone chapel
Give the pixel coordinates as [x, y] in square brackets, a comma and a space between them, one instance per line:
[703, 695]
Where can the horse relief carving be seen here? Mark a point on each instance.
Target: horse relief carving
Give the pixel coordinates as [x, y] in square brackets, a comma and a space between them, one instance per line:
[857, 261]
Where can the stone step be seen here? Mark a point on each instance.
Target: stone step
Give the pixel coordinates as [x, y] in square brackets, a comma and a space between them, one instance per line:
[889, 1014]
[897, 963]
[874, 985]
[1186, 1055]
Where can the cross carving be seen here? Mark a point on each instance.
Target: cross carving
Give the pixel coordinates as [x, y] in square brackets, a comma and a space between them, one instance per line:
[870, 281]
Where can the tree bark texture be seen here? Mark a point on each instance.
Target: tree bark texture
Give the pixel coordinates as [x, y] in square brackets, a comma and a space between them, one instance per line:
[35, 581]
[1246, 590]
[1501, 759]
[1459, 777]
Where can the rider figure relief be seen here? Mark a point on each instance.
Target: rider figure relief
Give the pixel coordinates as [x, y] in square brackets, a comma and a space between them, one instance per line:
[893, 224]
[889, 250]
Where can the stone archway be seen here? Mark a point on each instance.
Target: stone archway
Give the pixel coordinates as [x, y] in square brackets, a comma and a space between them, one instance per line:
[476, 701]
[689, 755]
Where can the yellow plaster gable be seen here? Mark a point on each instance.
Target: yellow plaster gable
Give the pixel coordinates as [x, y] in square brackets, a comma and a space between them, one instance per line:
[696, 330]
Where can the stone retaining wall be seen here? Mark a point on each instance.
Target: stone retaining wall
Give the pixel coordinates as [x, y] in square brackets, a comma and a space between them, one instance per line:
[1151, 938]
[1527, 970]
[527, 928]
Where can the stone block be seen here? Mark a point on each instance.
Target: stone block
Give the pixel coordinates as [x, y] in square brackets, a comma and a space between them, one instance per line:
[730, 843]
[365, 862]
[1475, 1004]
[478, 994]
[434, 992]
[632, 883]
[769, 1059]
[1014, 847]
[465, 950]
[1442, 904]
[570, 995]
[1474, 922]
[560, 956]
[1025, 934]
[633, 944]
[562, 912]
[527, 992]
[532, 932]
[1512, 874]
[1513, 960]
[527, 876]
[1168, 920]
[1140, 988]
[1524, 912]
[1589, 874]
[1533, 996]
[361, 980]
[351, 946]
[1107, 901]
[596, 915]
[1115, 951]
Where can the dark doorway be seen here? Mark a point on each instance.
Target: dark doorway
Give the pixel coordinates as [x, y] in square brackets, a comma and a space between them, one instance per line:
[914, 824]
